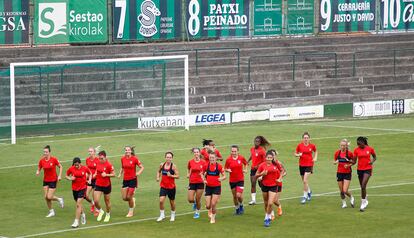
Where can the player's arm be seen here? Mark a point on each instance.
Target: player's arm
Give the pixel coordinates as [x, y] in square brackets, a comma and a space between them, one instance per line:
[39, 167]
[69, 175]
[60, 171]
[227, 167]
[260, 173]
[283, 171]
[112, 174]
[223, 175]
[176, 175]
[374, 158]
[159, 173]
[203, 176]
[250, 159]
[141, 169]
[315, 156]
[121, 171]
[89, 178]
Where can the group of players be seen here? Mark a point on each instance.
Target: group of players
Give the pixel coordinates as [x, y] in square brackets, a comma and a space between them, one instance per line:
[205, 175]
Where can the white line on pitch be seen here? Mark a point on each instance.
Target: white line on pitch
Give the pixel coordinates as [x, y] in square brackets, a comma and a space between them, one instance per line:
[188, 213]
[358, 127]
[382, 195]
[240, 144]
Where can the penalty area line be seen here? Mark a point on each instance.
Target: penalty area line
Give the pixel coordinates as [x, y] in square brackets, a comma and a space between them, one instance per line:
[192, 212]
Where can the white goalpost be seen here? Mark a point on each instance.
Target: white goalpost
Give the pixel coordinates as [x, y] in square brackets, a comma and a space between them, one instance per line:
[14, 67]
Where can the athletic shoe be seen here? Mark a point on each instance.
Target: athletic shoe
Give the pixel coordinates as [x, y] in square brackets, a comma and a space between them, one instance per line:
[92, 208]
[366, 203]
[303, 200]
[309, 195]
[279, 211]
[352, 201]
[237, 211]
[75, 224]
[100, 215]
[252, 202]
[196, 215]
[267, 222]
[212, 220]
[61, 202]
[241, 210]
[172, 218]
[83, 218]
[194, 206]
[209, 213]
[344, 205]
[130, 214]
[107, 217]
[51, 213]
[162, 217]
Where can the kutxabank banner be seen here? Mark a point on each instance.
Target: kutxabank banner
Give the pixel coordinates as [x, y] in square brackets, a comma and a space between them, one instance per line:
[267, 17]
[146, 19]
[397, 14]
[14, 21]
[347, 15]
[300, 16]
[68, 21]
[217, 18]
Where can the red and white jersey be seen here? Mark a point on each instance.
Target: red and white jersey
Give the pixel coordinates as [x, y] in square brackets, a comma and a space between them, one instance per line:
[236, 167]
[49, 168]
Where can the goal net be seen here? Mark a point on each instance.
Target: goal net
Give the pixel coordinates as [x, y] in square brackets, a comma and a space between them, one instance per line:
[67, 97]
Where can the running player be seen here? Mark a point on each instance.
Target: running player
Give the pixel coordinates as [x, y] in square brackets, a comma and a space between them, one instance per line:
[79, 175]
[195, 170]
[210, 146]
[363, 154]
[279, 183]
[92, 161]
[307, 154]
[236, 165]
[104, 172]
[270, 176]
[48, 163]
[257, 156]
[212, 179]
[168, 173]
[344, 159]
[129, 166]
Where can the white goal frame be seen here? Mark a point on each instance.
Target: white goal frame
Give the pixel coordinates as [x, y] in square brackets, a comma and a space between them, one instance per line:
[168, 57]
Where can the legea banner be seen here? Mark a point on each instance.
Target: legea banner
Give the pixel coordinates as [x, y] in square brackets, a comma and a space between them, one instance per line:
[14, 21]
[65, 21]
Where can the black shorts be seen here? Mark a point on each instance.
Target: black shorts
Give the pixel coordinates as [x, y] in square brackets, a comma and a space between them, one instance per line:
[79, 194]
[212, 190]
[274, 189]
[167, 192]
[130, 183]
[236, 184]
[195, 186]
[305, 169]
[253, 172]
[105, 190]
[92, 184]
[362, 172]
[50, 184]
[343, 176]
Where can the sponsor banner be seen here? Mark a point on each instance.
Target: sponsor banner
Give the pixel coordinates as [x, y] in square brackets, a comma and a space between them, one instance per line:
[376, 108]
[14, 21]
[347, 15]
[146, 19]
[293, 113]
[300, 16]
[65, 21]
[409, 106]
[179, 121]
[397, 14]
[398, 106]
[267, 17]
[250, 116]
[217, 18]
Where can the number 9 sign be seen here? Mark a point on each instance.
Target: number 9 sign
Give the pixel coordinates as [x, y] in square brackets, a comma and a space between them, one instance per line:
[325, 14]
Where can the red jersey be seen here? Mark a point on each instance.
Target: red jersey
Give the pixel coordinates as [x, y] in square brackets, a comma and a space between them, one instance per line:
[213, 172]
[108, 169]
[91, 163]
[196, 169]
[306, 150]
[166, 181]
[80, 177]
[364, 157]
[258, 156]
[273, 173]
[341, 157]
[236, 166]
[49, 168]
[204, 153]
[129, 166]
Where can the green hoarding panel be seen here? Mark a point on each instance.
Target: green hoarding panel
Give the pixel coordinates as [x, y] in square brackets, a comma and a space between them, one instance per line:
[300, 16]
[146, 20]
[397, 15]
[14, 22]
[66, 21]
[217, 18]
[338, 110]
[347, 15]
[267, 17]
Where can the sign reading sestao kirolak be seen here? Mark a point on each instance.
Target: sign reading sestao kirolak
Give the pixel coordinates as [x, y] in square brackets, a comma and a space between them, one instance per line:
[14, 21]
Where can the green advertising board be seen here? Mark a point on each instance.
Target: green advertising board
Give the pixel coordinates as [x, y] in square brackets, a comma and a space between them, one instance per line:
[66, 21]
[397, 14]
[347, 15]
[300, 16]
[14, 21]
[217, 18]
[146, 19]
[267, 17]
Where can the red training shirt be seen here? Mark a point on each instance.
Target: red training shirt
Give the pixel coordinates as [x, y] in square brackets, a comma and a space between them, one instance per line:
[49, 168]
[129, 166]
[236, 166]
[108, 169]
[273, 173]
[204, 153]
[91, 163]
[80, 177]
[196, 169]
[364, 157]
[258, 156]
[306, 158]
[213, 180]
[166, 181]
[341, 165]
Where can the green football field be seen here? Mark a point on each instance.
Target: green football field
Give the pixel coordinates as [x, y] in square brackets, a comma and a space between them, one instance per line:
[390, 192]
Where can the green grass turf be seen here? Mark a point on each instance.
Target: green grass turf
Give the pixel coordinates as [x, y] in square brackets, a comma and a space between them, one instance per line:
[23, 209]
